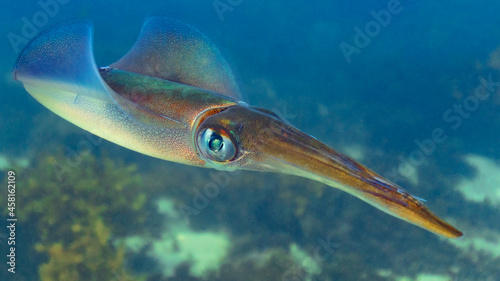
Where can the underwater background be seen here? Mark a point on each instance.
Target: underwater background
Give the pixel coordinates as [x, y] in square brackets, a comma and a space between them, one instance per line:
[374, 80]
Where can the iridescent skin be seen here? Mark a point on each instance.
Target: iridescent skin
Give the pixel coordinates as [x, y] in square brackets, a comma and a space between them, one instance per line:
[174, 97]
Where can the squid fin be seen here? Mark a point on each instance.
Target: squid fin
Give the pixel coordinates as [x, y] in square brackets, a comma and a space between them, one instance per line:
[61, 58]
[174, 51]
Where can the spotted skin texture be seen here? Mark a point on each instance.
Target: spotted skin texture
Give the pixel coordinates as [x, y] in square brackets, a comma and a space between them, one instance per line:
[110, 122]
[161, 102]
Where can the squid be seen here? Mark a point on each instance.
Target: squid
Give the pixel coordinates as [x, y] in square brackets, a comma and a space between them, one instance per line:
[174, 97]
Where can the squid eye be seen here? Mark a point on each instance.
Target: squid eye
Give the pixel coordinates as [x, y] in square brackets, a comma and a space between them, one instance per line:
[215, 146]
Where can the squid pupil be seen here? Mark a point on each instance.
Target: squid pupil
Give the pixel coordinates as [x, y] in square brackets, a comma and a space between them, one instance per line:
[215, 143]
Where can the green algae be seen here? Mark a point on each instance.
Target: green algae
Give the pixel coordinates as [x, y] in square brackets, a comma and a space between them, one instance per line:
[74, 215]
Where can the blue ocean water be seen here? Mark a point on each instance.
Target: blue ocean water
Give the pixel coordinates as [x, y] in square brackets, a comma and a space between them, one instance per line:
[408, 88]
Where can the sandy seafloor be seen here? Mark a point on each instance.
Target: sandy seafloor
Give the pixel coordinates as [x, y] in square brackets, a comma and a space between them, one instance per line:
[115, 214]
